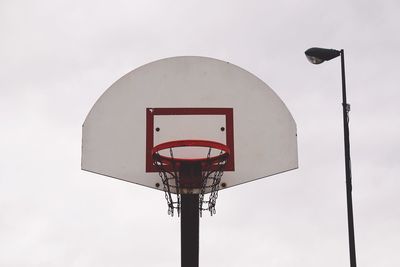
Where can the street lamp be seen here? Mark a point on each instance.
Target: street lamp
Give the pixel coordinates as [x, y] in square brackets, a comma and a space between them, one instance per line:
[316, 56]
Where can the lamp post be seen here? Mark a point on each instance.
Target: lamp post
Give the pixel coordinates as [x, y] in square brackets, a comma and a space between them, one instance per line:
[316, 56]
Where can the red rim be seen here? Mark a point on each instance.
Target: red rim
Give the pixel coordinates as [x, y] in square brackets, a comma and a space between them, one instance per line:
[191, 143]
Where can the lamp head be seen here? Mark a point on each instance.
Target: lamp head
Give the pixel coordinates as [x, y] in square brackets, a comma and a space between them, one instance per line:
[318, 55]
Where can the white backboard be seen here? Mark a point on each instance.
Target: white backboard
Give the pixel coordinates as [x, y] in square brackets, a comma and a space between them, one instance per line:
[240, 109]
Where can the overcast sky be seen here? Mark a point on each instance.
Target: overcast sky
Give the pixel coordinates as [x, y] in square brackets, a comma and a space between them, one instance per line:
[57, 57]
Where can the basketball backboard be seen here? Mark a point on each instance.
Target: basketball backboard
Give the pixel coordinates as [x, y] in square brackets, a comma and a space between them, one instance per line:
[184, 98]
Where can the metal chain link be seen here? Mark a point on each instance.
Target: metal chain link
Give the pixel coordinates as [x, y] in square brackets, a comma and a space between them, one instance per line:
[211, 178]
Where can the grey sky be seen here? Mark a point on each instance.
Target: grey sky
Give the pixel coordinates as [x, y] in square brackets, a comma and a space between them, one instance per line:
[58, 57]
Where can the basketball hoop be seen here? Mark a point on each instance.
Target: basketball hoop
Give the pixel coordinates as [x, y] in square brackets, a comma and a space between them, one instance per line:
[202, 106]
[187, 175]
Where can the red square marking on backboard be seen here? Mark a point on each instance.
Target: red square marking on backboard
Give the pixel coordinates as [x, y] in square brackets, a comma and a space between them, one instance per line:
[151, 112]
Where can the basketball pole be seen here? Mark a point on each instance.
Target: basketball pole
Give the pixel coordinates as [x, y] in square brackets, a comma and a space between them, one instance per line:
[190, 217]
[190, 230]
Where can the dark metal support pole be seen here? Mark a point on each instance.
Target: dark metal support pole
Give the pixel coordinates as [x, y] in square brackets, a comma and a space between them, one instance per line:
[190, 230]
[346, 109]
[190, 175]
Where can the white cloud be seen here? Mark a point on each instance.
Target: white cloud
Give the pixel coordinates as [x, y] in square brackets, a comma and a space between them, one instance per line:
[59, 56]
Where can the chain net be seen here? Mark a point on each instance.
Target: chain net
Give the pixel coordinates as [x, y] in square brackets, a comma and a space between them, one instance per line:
[211, 174]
